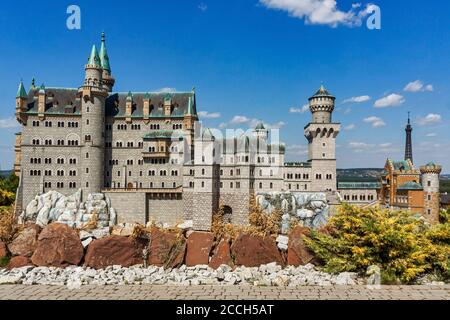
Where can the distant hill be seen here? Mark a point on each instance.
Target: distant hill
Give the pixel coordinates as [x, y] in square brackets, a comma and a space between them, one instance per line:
[359, 175]
[5, 173]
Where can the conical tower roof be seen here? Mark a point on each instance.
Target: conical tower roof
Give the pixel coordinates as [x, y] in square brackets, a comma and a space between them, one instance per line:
[104, 58]
[21, 93]
[94, 58]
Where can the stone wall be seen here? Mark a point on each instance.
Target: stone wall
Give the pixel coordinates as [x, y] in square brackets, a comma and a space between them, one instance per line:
[130, 206]
[165, 208]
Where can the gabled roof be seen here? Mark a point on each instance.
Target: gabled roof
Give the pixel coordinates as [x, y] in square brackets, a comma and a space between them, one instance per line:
[410, 186]
[59, 101]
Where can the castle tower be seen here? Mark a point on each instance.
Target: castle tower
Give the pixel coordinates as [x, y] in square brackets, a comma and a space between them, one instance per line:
[188, 123]
[430, 182]
[408, 145]
[321, 134]
[108, 80]
[206, 189]
[260, 132]
[92, 126]
[21, 103]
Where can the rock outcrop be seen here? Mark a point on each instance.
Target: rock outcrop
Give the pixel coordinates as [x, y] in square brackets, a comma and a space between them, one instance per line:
[19, 262]
[221, 255]
[114, 250]
[166, 249]
[26, 242]
[253, 251]
[199, 245]
[298, 252]
[58, 246]
[3, 250]
[55, 207]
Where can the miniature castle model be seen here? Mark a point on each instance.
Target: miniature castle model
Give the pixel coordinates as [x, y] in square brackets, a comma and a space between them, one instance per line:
[147, 153]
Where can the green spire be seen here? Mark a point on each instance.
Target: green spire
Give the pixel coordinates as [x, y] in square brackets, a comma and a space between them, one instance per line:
[129, 96]
[147, 95]
[21, 93]
[190, 110]
[94, 59]
[33, 83]
[42, 88]
[104, 58]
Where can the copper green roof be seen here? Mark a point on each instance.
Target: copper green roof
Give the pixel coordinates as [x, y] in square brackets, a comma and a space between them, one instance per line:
[104, 58]
[21, 93]
[402, 165]
[260, 126]
[94, 59]
[190, 110]
[164, 134]
[359, 185]
[129, 96]
[322, 92]
[410, 186]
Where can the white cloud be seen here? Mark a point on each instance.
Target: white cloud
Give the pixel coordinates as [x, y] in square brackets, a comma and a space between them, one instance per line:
[239, 120]
[359, 99]
[392, 100]
[350, 127]
[297, 149]
[375, 122]
[166, 90]
[429, 120]
[8, 123]
[203, 7]
[207, 115]
[431, 135]
[385, 145]
[324, 12]
[418, 86]
[303, 109]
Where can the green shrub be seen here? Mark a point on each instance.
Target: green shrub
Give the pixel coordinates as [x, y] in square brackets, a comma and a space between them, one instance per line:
[399, 243]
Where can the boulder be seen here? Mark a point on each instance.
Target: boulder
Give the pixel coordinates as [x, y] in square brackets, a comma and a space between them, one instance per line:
[166, 249]
[123, 231]
[3, 250]
[253, 251]
[26, 242]
[199, 245]
[221, 255]
[298, 252]
[58, 246]
[19, 262]
[282, 242]
[114, 250]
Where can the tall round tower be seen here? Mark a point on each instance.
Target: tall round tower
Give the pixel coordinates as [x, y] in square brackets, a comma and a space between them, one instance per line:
[430, 182]
[92, 126]
[108, 80]
[322, 105]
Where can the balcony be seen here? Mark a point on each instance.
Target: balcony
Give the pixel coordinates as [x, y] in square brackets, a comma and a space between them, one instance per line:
[156, 154]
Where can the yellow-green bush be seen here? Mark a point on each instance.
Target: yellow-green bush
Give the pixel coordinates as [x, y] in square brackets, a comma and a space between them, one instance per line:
[399, 243]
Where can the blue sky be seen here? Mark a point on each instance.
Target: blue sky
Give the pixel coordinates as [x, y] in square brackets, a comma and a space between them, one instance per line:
[254, 60]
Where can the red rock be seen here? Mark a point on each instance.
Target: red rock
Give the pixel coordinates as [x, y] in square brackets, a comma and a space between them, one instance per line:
[298, 252]
[19, 262]
[199, 246]
[222, 255]
[26, 242]
[58, 246]
[3, 250]
[166, 249]
[114, 250]
[253, 251]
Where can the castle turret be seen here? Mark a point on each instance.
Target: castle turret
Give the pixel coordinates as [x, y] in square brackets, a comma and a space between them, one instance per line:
[261, 132]
[108, 80]
[321, 134]
[430, 182]
[188, 123]
[92, 127]
[322, 105]
[21, 103]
